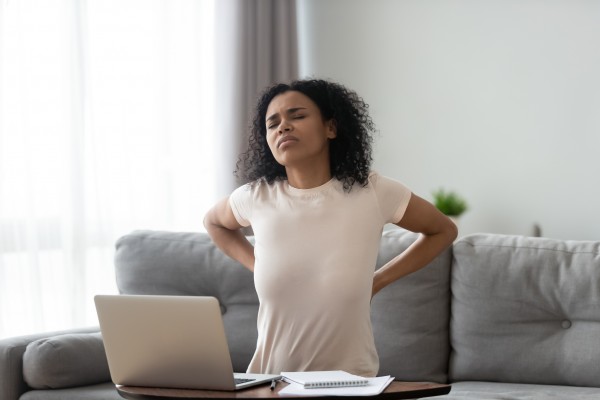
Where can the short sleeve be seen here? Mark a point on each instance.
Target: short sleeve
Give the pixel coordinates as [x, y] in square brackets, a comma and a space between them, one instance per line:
[240, 201]
[393, 197]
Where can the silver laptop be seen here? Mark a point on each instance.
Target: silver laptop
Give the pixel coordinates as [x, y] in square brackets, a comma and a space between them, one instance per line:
[168, 342]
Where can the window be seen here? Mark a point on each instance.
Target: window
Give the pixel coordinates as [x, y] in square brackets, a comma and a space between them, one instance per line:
[106, 121]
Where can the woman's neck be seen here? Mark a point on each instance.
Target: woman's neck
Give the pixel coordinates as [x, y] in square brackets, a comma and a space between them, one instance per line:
[308, 178]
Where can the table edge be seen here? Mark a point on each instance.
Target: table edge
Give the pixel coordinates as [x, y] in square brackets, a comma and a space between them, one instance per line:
[438, 390]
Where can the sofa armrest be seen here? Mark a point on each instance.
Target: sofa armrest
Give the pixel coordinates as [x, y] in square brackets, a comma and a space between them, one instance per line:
[12, 384]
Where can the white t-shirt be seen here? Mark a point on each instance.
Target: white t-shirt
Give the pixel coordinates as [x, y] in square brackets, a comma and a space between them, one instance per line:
[315, 252]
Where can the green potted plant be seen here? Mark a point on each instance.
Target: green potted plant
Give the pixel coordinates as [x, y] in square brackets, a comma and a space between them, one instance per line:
[449, 203]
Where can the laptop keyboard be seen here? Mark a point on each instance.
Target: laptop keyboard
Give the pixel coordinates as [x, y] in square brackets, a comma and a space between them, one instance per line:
[242, 380]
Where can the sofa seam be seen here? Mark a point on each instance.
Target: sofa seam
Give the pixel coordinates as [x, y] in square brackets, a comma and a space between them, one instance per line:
[163, 239]
[527, 247]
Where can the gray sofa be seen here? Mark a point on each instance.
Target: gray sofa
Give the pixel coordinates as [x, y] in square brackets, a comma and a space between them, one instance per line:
[499, 317]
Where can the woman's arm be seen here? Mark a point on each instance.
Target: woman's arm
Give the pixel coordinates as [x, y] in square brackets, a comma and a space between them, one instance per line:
[437, 233]
[223, 228]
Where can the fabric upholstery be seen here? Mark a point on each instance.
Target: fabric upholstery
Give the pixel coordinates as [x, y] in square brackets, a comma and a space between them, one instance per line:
[526, 310]
[410, 317]
[172, 263]
[65, 361]
[516, 391]
[12, 384]
[102, 391]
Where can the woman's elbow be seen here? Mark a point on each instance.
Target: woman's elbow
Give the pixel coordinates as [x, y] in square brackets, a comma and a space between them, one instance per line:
[450, 231]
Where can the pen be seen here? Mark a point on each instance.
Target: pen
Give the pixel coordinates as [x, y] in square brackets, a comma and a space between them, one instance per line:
[273, 384]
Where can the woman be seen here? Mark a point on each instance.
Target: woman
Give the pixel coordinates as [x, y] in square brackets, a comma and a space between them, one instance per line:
[318, 211]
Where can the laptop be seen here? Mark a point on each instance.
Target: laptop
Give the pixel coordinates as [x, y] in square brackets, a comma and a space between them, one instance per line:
[168, 342]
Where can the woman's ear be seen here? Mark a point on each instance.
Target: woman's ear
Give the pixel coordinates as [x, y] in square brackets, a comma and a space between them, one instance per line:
[331, 129]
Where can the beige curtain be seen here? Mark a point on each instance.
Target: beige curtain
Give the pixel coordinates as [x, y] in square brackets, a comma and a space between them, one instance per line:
[256, 46]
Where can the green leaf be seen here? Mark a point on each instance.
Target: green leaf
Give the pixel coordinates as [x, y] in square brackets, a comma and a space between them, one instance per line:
[449, 203]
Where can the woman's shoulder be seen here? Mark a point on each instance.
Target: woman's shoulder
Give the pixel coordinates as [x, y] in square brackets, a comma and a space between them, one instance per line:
[376, 179]
[375, 176]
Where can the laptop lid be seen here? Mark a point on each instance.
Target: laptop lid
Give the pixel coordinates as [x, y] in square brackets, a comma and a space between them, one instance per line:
[168, 342]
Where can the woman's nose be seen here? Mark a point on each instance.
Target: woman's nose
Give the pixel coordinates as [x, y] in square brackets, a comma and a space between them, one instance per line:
[284, 126]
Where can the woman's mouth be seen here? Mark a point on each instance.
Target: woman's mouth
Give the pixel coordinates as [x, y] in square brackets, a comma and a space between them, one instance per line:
[286, 140]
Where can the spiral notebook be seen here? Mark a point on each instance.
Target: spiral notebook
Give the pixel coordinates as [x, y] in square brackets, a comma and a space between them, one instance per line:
[333, 381]
[324, 379]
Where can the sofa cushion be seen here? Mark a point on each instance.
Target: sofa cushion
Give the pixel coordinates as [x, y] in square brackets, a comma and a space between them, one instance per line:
[101, 391]
[189, 264]
[411, 316]
[516, 391]
[65, 361]
[525, 310]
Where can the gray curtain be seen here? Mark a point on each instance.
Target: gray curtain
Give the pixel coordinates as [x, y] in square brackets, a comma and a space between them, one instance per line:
[256, 43]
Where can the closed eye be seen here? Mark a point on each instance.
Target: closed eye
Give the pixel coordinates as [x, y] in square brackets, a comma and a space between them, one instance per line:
[275, 123]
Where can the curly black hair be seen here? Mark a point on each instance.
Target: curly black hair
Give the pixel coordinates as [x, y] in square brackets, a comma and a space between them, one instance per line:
[350, 151]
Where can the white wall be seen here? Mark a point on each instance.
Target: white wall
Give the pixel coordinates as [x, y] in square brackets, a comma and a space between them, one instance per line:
[498, 100]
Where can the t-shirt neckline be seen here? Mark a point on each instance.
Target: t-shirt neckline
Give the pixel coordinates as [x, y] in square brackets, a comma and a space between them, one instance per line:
[316, 189]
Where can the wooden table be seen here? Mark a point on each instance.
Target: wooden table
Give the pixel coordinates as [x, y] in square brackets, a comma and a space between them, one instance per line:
[395, 391]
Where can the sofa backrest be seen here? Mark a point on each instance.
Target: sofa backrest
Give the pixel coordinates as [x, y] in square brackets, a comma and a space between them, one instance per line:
[189, 264]
[410, 317]
[525, 310]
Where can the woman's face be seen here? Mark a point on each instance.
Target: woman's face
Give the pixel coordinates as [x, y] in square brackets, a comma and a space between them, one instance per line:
[296, 131]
